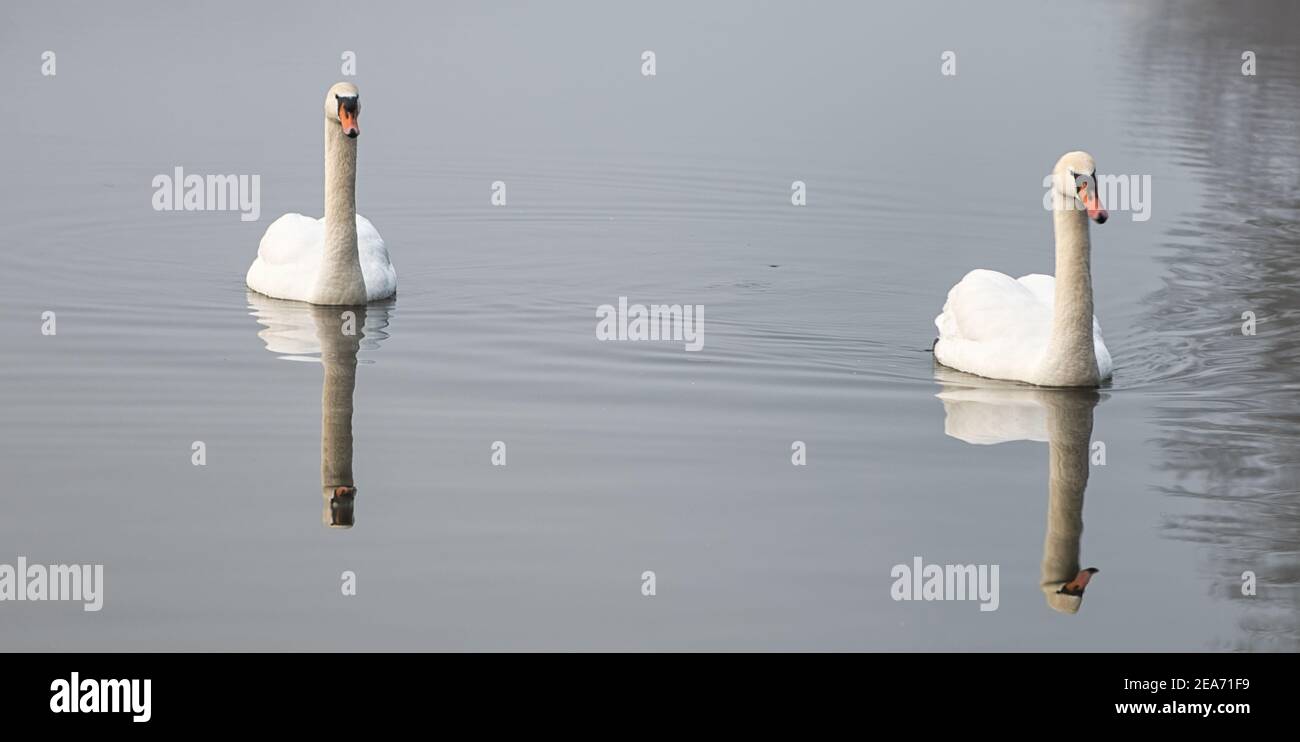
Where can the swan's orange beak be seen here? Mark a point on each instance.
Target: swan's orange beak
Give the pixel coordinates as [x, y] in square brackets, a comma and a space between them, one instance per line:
[349, 121]
[1096, 211]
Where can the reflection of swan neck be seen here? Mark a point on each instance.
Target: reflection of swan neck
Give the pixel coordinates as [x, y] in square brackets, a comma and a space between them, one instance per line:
[339, 361]
[1069, 428]
[336, 424]
[1069, 434]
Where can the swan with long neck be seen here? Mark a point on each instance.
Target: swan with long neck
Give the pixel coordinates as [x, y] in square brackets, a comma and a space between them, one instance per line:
[339, 259]
[1037, 329]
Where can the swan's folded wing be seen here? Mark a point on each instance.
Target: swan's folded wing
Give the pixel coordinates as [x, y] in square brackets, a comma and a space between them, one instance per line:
[288, 258]
[988, 305]
[1104, 363]
[376, 269]
[369, 244]
[366, 230]
[992, 325]
[1042, 287]
[293, 239]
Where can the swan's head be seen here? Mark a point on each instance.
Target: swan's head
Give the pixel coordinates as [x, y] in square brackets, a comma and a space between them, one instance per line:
[1076, 184]
[343, 106]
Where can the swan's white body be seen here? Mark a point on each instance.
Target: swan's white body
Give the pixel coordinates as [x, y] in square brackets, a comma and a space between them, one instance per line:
[1036, 329]
[339, 259]
[291, 254]
[1000, 327]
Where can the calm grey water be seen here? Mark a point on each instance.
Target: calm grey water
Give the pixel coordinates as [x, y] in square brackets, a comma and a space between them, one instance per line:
[627, 457]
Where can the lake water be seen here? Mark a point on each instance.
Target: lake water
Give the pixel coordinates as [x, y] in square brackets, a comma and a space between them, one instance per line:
[624, 457]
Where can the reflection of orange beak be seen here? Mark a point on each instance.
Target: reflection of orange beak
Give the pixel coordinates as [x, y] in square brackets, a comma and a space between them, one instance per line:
[349, 122]
[1080, 581]
[1095, 210]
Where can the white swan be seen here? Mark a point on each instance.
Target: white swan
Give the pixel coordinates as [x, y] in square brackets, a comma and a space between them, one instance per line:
[1036, 328]
[340, 259]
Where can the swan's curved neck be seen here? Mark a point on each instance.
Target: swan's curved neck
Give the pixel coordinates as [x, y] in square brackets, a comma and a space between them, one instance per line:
[1071, 358]
[340, 279]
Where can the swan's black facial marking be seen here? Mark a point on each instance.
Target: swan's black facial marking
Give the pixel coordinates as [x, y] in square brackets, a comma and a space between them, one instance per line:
[349, 103]
[1088, 194]
[349, 110]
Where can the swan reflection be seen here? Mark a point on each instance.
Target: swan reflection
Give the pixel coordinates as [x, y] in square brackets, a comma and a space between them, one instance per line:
[985, 412]
[331, 336]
